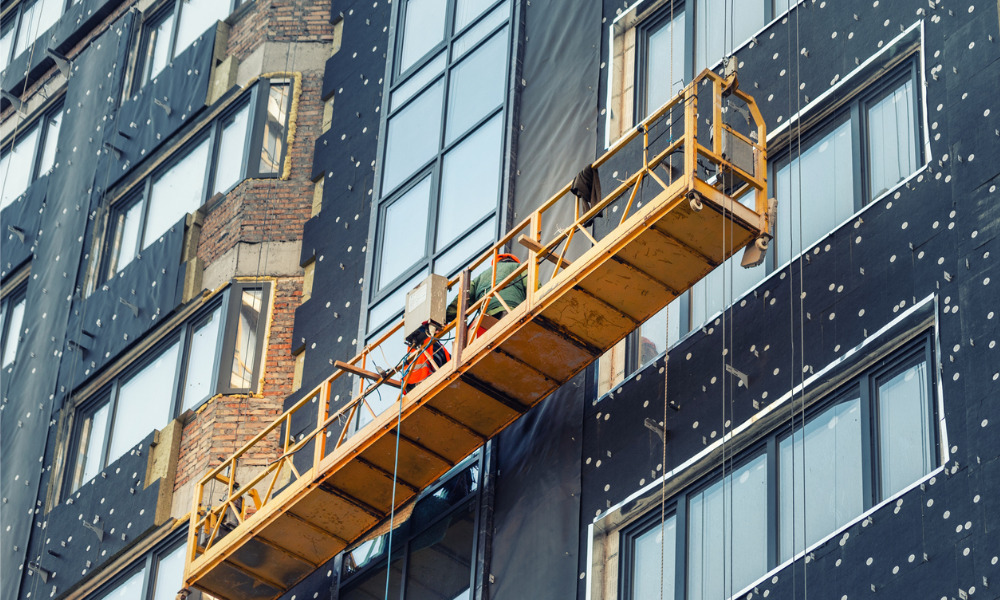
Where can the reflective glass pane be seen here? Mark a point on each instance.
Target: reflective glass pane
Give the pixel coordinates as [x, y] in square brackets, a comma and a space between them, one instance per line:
[820, 477]
[477, 32]
[892, 144]
[423, 28]
[144, 402]
[15, 322]
[727, 533]
[714, 39]
[179, 191]
[16, 167]
[413, 137]
[404, 232]
[440, 561]
[815, 192]
[126, 240]
[720, 288]
[130, 589]
[374, 587]
[470, 181]
[665, 65]
[465, 251]
[476, 86]
[248, 331]
[35, 21]
[364, 554]
[418, 80]
[169, 575]
[392, 305]
[232, 148]
[391, 353]
[89, 461]
[6, 41]
[467, 10]
[48, 156]
[906, 438]
[196, 17]
[653, 337]
[651, 560]
[201, 360]
[274, 129]
[158, 49]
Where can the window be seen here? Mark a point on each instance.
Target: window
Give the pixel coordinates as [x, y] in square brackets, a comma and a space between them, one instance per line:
[213, 163]
[442, 163]
[11, 324]
[158, 575]
[27, 23]
[203, 357]
[432, 553]
[30, 154]
[854, 448]
[165, 35]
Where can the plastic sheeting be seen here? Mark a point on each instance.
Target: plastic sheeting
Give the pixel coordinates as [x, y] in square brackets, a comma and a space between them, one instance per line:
[537, 501]
[558, 109]
[27, 439]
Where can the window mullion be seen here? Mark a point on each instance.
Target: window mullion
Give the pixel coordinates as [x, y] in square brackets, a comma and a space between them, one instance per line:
[773, 556]
[109, 427]
[869, 451]
[176, 16]
[680, 540]
[862, 170]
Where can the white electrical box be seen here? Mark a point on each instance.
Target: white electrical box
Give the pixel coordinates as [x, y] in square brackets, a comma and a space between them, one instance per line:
[427, 302]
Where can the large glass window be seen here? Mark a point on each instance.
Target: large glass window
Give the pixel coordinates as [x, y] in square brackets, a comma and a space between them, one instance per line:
[652, 554]
[157, 575]
[212, 164]
[820, 476]
[442, 162]
[715, 38]
[28, 22]
[432, 552]
[823, 178]
[11, 324]
[815, 474]
[30, 154]
[664, 73]
[171, 30]
[179, 374]
[725, 520]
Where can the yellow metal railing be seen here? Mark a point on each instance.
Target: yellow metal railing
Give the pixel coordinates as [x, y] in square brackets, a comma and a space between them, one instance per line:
[237, 501]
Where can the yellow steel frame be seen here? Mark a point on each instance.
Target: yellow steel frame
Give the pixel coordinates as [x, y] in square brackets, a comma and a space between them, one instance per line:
[259, 497]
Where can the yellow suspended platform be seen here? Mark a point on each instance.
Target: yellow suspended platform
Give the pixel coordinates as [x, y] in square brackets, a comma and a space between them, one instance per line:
[256, 531]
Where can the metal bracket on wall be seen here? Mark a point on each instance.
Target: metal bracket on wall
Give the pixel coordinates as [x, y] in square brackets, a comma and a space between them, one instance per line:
[14, 100]
[133, 307]
[17, 231]
[99, 531]
[739, 375]
[62, 63]
[45, 574]
[657, 428]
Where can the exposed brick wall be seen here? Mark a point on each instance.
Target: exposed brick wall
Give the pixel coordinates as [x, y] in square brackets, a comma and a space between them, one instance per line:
[226, 423]
[270, 210]
[280, 21]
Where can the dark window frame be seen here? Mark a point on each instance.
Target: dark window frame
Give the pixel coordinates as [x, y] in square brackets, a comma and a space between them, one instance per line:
[434, 166]
[256, 99]
[7, 304]
[918, 350]
[168, 9]
[853, 110]
[41, 122]
[108, 394]
[401, 547]
[149, 564]
[14, 21]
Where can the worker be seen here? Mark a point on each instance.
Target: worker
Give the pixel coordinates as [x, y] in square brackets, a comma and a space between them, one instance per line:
[513, 294]
[426, 354]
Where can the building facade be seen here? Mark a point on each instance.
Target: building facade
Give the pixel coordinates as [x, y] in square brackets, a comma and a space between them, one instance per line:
[206, 203]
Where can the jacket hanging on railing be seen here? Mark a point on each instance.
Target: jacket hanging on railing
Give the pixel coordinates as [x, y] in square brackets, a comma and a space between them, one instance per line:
[587, 187]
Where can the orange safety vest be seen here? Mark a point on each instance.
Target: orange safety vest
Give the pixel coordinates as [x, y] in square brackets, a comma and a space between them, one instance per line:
[424, 364]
